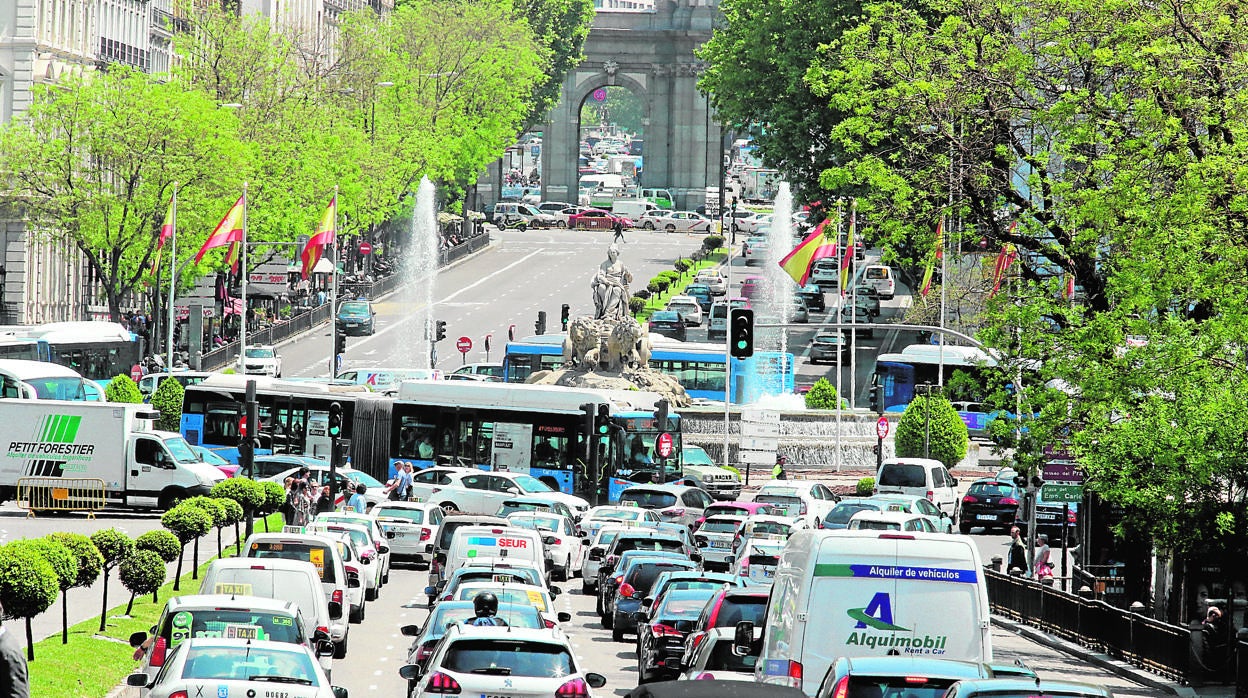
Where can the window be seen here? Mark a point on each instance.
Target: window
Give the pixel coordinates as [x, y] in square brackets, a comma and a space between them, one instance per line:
[432, 477]
[549, 451]
[520, 658]
[149, 452]
[476, 482]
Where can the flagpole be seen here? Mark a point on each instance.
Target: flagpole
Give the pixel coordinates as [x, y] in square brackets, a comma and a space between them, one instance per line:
[333, 294]
[853, 297]
[242, 325]
[840, 312]
[173, 277]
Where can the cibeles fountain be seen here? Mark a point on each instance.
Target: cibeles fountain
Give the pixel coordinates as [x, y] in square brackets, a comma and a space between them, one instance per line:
[611, 350]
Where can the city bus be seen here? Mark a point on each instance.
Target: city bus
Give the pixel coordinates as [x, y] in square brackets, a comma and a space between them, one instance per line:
[98, 351]
[43, 380]
[699, 367]
[899, 373]
[294, 419]
[535, 429]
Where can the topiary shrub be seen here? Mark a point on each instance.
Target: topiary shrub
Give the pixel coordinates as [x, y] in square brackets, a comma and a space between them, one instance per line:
[220, 519]
[642, 293]
[187, 523]
[168, 401]
[163, 543]
[64, 563]
[28, 585]
[865, 487]
[234, 512]
[122, 388]
[682, 265]
[660, 284]
[636, 304]
[274, 498]
[248, 493]
[653, 286]
[822, 396]
[936, 416]
[114, 546]
[712, 242]
[142, 572]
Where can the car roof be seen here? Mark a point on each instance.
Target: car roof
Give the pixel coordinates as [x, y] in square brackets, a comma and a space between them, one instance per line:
[193, 642]
[915, 666]
[890, 516]
[550, 636]
[1031, 686]
[399, 504]
[232, 601]
[674, 489]
[277, 563]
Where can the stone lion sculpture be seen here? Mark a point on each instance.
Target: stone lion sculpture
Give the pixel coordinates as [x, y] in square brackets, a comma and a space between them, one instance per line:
[628, 345]
[580, 343]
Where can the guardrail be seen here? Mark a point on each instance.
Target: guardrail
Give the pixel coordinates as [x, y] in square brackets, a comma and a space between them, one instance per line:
[60, 494]
[224, 354]
[1142, 641]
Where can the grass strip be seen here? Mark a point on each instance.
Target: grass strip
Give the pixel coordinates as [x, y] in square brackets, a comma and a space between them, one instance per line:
[92, 663]
[659, 302]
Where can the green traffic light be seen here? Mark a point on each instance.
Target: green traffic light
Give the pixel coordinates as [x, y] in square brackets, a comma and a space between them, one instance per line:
[741, 344]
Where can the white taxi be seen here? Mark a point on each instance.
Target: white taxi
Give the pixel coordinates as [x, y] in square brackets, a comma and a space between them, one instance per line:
[228, 667]
[415, 526]
[561, 541]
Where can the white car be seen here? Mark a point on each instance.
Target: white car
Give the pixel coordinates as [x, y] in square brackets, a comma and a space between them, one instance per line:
[653, 219]
[764, 526]
[562, 215]
[714, 279]
[230, 667]
[758, 560]
[715, 538]
[380, 538]
[262, 360]
[689, 309]
[426, 482]
[682, 222]
[415, 526]
[806, 501]
[361, 542]
[476, 492]
[599, 517]
[533, 663]
[601, 540]
[868, 520]
[565, 550]
[713, 658]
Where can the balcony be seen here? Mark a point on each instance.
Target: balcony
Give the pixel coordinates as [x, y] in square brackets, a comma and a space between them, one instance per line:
[162, 23]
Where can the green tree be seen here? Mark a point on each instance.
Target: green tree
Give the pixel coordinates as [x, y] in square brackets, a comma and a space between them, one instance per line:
[161, 542]
[90, 565]
[220, 519]
[28, 585]
[122, 388]
[114, 546]
[142, 572]
[64, 563]
[94, 159]
[561, 27]
[822, 396]
[168, 401]
[249, 494]
[274, 497]
[188, 523]
[932, 420]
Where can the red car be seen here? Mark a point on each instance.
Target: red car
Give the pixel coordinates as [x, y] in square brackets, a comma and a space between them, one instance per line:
[597, 219]
[753, 286]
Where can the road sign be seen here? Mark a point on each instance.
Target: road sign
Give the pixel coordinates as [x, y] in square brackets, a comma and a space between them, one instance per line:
[1063, 472]
[1062, 493]
[664, 446]
[136, 372]
[242, 425]
[758, 457]
[881, 427]
[366, 247]
[464, 345]
[759, 443]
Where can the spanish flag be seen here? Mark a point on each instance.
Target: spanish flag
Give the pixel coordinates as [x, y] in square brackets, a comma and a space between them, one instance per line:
[847, 255]
[229, 230]
[324, 235]
[940, 254]
[1005, 259]
[818, 245]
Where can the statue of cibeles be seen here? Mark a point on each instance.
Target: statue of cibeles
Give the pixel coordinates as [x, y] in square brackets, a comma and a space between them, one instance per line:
[610, 286]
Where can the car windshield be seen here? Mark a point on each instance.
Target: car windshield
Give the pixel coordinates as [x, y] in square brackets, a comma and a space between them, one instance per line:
[362, 478]
[410, 515]
[617, 515]
[903, 475]
[316, 553]
[528, 483]
[260, 353]
[770, 528]
[353, 308]
[180, 450]
[246, 662]
[828, 339]
[663, 316]
[792, 505]
[210, 457]
[874, 525]
[233, 623]
[651, 544]
[685, 604]
[719, 527]
[649, 499]
[536, 523]
[843, 512]
[735, 609]
[903, 687]
[643, 574]
[877, 272]
[509, 658]
[521, 595]
[724, 659]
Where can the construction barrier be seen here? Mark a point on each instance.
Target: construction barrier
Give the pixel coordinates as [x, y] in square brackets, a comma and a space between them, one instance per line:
[60, 494]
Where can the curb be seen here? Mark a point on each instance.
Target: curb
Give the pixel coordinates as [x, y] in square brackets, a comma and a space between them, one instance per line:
[1104, 661]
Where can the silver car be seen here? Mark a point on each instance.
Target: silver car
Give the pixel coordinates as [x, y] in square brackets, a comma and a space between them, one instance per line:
[715, 538]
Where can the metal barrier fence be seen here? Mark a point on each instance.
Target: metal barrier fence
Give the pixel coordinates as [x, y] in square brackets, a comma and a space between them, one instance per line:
[60, 494]
[224, 354]
[1142, 641]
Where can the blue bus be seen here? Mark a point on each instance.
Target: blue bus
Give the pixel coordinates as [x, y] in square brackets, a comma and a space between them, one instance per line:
[700, 368]
[917, 364]
[24, 348]
[539, 430]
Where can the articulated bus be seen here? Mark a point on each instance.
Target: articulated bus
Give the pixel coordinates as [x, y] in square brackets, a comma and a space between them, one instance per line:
[699, 367]
[539, 430]
[294, 419]
[917, 364]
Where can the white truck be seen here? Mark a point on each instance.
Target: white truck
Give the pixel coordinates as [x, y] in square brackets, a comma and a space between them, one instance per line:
[112, 442]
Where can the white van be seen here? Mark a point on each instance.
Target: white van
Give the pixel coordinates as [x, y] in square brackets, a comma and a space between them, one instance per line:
[869, 593]
[717, 327]
[632, 208]
[919, 477]
[509, 543]
[880, 277]
[42, 380]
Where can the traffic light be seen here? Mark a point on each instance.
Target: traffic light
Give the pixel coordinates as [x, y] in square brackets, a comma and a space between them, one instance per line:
[563, 316]
[540, 325]
[877, 401]
[335, 420]
[661, 409]
[602, 425]
[741, 333]
[340, 344]
[439, 332]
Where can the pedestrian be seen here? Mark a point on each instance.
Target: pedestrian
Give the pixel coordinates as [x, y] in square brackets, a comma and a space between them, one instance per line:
[619, 231]
[14, 680]
[325, 503]
[1213, 632]
[1016, 560]
[357, 503]
[288, 506]
[777, 471]
[1043, 568]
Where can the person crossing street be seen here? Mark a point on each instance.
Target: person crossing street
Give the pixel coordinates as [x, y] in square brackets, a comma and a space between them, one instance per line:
[618, 226]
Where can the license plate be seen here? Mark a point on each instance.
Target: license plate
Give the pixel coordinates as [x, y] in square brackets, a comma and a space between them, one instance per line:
[1040, 517]
[986, 517]
[353, 324]
[720, 544]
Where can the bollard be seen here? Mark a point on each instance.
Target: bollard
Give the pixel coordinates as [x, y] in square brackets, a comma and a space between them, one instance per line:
[1086, 592]
[997, 561]
[1136, 607]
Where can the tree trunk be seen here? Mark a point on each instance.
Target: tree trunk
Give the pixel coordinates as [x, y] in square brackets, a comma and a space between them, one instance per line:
[30, 642]
[177, 579]
[104, 603]
[266, 523]
[64, 618]
[238, 542]
[130, 606]
[251, 522]
[218, 542]
[195, 560]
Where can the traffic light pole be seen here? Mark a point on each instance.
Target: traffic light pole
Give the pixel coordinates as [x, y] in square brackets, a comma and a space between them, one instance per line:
[246, 452]
[333, 308]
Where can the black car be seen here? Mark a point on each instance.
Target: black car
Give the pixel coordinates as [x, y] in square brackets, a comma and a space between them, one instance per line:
[862, 317]
[668, 324]
[661, 638]
[610, 576]
[1049, 522]
[356, 317]
[990, 503]
[813, 296]
[638, 580]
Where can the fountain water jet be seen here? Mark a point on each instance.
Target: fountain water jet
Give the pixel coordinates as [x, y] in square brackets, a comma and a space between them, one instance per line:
[420, 264]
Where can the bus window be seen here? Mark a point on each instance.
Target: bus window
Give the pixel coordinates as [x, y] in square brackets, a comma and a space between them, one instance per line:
[485, 441]
[549, 451]
[415, 438]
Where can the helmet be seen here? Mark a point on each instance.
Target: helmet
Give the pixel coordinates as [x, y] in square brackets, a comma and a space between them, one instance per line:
[485, 604]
